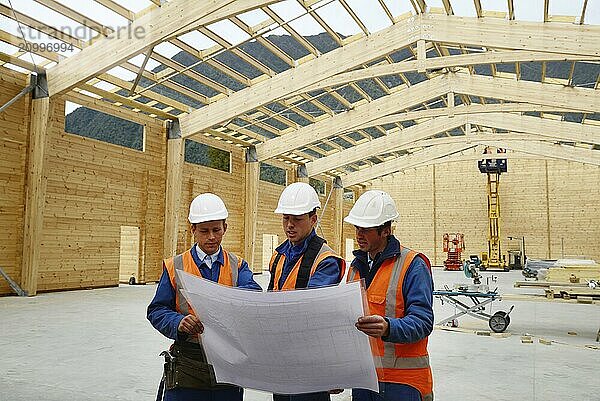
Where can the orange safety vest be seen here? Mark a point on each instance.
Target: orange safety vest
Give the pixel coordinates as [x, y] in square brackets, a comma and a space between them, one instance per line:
[397, 363]
[228, 275]
[290, 281]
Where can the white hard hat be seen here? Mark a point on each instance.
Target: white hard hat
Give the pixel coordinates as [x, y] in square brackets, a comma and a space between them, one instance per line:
[297, 199]
[372, 209]
[207, 207]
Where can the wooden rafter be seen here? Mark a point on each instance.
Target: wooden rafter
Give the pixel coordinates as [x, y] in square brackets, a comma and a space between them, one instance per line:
[114, 49]
[392, 166]
[502, 34]
[440, 62]
[385, 144]
[281, 85]
[345, 122]
[546, 94]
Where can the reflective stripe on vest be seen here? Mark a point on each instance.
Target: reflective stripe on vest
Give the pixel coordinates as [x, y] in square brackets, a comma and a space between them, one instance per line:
[397, 363]
[389, 359]
[290, 280]
[230, 262]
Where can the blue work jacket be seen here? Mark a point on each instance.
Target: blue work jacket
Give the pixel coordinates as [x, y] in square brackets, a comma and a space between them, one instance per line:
[417, 289]
[327, 273]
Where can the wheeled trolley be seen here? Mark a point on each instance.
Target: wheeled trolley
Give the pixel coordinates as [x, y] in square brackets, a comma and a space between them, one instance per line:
[473, 303]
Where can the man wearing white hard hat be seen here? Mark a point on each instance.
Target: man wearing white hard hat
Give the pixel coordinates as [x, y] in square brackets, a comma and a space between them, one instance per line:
[304, 260]
[187, 375]
[400, 296]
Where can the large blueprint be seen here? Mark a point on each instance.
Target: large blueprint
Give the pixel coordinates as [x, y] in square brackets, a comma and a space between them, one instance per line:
[285, 342]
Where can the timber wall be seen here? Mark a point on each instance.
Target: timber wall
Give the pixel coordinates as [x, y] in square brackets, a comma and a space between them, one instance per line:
[13, 153]
[554, 204]
[94, 188]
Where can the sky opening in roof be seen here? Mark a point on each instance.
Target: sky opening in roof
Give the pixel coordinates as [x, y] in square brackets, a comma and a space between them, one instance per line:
[35, 36]
[464, 8]
[139, 60]
[254, 17]
[371, 14]
[97, 12]
[430, 4]
[571, 7]
[530, 10]
[592, 12]
[135, 5]
[288, 9]
[197, 40]
[307, 26]
[167, 49]
[229, 31]
[45, 16]
[494, 5]
[338, 19]
[122, 73]
[398, 8]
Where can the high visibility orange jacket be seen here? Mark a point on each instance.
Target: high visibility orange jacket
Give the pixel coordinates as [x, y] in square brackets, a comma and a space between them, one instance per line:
[406, 363]
[228, 275]
[290, 280]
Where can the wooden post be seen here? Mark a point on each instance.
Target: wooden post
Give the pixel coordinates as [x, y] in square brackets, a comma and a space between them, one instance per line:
[251, 209]
[450, 104]
[338, 214]
[175, 159]
[548, 229]
[433, 192]
[35, 186]
[301, 174]
[421, 55]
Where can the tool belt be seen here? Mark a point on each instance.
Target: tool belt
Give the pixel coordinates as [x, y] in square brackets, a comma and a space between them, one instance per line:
[186, 367]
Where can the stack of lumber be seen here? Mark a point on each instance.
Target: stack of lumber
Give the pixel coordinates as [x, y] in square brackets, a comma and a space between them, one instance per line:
[580, 291]
[574, 271]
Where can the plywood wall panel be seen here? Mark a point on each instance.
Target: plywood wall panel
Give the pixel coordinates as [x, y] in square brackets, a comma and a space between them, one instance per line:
[13, 139]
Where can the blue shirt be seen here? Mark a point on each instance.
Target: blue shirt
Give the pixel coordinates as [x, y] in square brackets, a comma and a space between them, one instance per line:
[162, 312]
[417, 290]
[327, 272]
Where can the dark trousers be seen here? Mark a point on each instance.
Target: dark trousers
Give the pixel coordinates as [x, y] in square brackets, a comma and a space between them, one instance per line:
[387, 392]
[226, 394]
[322, 396]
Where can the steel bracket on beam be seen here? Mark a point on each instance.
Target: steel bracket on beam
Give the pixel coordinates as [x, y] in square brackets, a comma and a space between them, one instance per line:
[337, 183]
[173, 129]
[301, 171]
[26, 90]
[40, 89]
[251, 156]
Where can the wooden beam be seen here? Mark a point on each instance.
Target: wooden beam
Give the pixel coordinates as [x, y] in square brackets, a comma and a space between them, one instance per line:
[421, 56]
[554, 151]
[495, 57]
[283, 84]
[582, 99]
[465, 110]
[143, 33]
[175, 161]
[518, 35]
[35, 193]
[337, 193]
[345, 122]
[251, 209]
[392, 166]
[384, 144]
[567, 131]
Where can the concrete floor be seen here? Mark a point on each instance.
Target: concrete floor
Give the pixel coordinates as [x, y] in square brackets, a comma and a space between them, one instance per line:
[97, 345]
